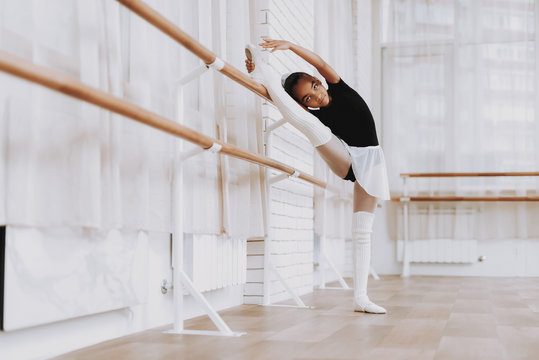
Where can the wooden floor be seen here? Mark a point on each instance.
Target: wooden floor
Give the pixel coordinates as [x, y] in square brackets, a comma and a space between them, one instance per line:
[428, 318]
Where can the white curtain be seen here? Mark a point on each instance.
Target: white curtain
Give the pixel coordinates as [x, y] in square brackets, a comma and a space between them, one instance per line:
[67, 163]
[223, 193]
[243, 129]
[460, 94]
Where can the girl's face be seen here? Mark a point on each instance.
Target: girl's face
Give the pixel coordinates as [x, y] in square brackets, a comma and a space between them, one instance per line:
[309, 92]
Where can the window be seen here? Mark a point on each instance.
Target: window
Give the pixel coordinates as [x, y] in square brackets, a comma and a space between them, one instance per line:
[459, 87]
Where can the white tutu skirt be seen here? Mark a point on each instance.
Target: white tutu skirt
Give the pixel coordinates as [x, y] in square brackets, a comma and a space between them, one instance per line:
[369, 167]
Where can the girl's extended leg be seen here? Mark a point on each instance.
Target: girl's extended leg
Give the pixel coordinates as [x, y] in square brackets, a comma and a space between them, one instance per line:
[317, 133]
[364, 207]
[336, 156]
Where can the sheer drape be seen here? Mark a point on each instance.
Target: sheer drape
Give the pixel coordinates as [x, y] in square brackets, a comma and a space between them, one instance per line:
[67, 163]
[221, 108]
[243, 129]
[460, 94]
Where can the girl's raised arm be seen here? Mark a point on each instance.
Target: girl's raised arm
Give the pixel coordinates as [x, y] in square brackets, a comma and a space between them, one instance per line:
[312, 58]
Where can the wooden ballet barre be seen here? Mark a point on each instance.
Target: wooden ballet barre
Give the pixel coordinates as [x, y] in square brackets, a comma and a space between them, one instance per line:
[207, 56]
[59, 82]
[191, 44]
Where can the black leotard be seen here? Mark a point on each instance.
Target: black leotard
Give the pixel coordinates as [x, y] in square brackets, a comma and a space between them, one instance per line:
[348, 116]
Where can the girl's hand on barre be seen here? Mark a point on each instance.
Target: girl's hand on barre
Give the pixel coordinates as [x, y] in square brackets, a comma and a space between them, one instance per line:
[276, 44]
[250, 66]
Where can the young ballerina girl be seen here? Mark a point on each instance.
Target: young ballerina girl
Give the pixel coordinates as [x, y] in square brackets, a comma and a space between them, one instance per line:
[339, 124]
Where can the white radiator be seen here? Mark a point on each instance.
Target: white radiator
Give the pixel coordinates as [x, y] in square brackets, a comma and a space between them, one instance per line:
[218, 261]
[439, 251]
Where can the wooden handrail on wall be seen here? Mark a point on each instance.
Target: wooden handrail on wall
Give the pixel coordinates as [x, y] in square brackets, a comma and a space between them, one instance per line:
[406, 198]
[159, 21]
[62, 83]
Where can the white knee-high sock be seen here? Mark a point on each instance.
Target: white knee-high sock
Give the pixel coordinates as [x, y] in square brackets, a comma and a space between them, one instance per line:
[361, 237]
[317, 133]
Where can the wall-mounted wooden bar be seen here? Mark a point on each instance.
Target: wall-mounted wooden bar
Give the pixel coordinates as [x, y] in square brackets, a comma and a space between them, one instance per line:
[465, 198]
[470, 174]
[57, 81]
[405, 199]
[169, 28]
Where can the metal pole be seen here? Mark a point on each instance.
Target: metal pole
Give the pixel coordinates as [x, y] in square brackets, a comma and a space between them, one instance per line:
[177, 220]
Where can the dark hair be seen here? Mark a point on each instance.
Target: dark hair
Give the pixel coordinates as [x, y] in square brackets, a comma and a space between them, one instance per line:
[292, 80]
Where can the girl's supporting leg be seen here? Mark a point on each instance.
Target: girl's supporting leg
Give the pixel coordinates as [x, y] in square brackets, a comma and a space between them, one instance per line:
[362, 200]
[363, 218]
[338, 159]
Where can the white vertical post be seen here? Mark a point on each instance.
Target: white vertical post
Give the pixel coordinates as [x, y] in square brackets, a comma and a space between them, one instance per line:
[177, 216]
[269, 268]
[180, 279]
[405, 255]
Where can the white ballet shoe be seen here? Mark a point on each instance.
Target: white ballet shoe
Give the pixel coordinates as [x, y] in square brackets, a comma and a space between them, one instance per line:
[254, 54]
[367, 306]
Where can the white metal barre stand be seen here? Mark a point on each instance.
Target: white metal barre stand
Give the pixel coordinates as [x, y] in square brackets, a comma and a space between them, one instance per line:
[180, 278]
[405, 250]
[269, 268]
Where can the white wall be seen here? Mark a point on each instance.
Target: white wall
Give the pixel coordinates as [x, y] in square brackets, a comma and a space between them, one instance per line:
[503, 257]
[292, 199]
[56, 338]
